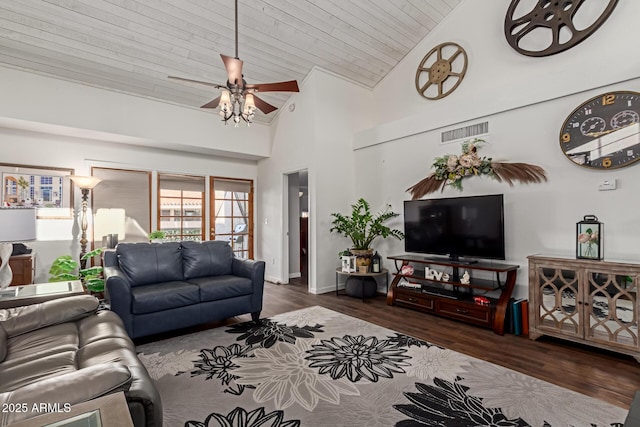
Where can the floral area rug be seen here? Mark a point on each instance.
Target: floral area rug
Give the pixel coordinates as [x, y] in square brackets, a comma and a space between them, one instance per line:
[316, 367]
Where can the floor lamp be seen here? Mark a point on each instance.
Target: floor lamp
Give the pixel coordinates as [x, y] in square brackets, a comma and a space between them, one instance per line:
[85, 184]
[16, 225]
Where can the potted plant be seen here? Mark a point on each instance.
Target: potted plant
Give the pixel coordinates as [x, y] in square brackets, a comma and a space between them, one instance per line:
[64, 269]
[157, 236]
[363, 227]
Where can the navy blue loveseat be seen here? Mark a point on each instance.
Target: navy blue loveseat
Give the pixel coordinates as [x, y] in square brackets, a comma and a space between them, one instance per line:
[158, 287]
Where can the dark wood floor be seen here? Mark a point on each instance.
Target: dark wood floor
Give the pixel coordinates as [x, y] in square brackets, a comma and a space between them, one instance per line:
[607, 376]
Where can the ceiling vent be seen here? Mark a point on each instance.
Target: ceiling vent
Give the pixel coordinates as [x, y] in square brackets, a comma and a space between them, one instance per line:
[472, 131]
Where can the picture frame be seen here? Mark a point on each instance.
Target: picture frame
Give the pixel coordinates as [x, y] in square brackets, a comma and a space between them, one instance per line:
[348, 263]
[49, 189]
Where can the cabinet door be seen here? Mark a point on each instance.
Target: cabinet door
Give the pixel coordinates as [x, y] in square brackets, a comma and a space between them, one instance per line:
[557, 296]
[611, 304]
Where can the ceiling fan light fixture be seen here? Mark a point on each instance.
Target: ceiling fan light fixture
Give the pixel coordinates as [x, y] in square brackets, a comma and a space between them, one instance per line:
[237, 100]
[225, 102]
[249, 104]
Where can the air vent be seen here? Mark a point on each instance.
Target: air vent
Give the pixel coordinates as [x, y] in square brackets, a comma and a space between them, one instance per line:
[464, 133]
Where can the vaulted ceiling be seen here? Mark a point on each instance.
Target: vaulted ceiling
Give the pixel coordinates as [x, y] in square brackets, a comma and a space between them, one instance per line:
[133, 45]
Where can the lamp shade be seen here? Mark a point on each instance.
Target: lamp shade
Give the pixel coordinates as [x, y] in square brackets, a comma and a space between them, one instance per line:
[225, 100]
[249, 103]
[17, 224]
[85, 182]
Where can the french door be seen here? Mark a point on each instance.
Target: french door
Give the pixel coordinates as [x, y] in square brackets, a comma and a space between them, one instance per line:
[232, 214]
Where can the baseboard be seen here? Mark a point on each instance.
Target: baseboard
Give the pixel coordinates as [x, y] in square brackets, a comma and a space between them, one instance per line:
[272, 279]
[325, 289]
[295, 275]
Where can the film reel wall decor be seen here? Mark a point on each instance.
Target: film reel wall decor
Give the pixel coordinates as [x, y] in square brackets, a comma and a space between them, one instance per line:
[553, 26]
[441, 71]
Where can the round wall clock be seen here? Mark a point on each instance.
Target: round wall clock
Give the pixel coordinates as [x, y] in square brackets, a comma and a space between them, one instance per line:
[441, 71]
[604, 132]
[553, 26]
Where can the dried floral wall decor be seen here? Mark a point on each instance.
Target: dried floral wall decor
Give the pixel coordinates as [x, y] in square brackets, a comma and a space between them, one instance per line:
[451, 169]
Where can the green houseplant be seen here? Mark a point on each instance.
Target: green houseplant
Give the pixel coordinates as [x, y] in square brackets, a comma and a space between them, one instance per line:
[157, 235]
[64, 268]
[363, 227]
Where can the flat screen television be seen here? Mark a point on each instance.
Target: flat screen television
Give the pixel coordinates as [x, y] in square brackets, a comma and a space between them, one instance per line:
[457, 226]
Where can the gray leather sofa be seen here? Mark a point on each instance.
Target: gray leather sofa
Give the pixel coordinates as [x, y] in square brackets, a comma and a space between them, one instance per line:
[158, 287]
[65, 352]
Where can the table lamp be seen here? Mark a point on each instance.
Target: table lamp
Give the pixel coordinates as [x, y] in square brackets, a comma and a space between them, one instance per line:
[86, 184]
[16, 225]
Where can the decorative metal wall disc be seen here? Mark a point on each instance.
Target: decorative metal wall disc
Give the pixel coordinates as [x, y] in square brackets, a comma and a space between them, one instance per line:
[553, 26]
[441, 71]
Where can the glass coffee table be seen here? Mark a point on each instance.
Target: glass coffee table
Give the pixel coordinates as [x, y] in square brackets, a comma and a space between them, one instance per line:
[15, 296]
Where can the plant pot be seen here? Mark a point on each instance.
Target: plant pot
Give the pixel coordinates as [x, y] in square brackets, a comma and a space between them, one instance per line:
[356, 288]
[363, 256]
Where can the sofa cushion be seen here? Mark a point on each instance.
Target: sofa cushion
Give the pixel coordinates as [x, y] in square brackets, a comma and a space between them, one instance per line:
[3, 343]
[13, 377]
[163, 296]
[103, 325]
[106, 351]
[145, 263]
[40, 343]
[221, 287]
[26, 318]
[212, 258]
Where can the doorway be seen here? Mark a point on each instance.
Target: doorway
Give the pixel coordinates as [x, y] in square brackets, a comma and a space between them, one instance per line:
[298, 227]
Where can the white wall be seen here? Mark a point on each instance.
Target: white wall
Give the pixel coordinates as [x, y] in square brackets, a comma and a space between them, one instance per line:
[525, 101]
[292, 150]
[317, 136]
[59, 237]
[33, 98]
[498, 78]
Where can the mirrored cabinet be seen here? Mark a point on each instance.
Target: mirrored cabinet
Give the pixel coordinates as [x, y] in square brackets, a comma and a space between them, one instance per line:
[586, 301]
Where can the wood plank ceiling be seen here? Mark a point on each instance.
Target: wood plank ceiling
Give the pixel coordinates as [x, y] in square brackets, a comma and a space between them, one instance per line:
[133, 45]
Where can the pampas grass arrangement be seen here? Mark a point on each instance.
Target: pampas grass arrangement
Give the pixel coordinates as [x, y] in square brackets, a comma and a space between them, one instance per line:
[451, 169]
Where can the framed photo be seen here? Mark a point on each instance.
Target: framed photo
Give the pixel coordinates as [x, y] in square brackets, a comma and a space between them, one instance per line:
[48, 189]
[348, 264]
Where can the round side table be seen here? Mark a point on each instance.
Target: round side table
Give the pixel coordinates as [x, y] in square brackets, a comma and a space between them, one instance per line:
[363, 276]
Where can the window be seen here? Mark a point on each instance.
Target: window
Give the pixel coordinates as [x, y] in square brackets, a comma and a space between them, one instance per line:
[181, 213]
[232, 214]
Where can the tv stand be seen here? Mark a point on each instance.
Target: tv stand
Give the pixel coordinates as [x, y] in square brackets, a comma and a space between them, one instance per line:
[456, 260]
[451, 298]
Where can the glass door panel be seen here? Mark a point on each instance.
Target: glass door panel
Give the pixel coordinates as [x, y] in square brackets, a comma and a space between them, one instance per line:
[180, 213]
[232, 214]
[559, 296]
[611, 302]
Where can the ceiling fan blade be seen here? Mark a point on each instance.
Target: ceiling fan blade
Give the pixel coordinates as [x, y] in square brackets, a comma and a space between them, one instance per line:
[289, 86]
[217, 86]
[234, 69]
[263, 106]
[212, 104]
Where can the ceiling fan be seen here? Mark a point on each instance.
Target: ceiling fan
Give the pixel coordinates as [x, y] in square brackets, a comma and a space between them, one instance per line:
[238, 99]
